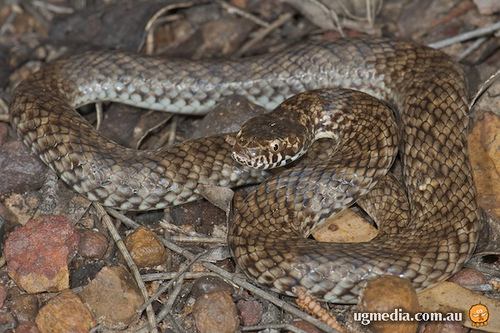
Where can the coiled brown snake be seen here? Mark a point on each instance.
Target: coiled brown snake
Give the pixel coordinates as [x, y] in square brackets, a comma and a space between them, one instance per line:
[425, 86]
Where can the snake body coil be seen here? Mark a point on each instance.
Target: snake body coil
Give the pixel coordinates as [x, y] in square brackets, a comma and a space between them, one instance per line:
[424, 85]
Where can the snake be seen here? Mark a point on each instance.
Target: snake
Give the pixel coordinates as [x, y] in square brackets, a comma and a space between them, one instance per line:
[344, 90]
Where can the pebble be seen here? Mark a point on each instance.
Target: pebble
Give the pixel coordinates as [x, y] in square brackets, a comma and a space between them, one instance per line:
[113, 297]
[37, 254]
[468, 277]
[92, 245]
[215, 313]
[65, 313]
[250, 312]
[210, 284]
[20, 170]
[146, 249]
[200, 215]
[24, 307]
[386, 293]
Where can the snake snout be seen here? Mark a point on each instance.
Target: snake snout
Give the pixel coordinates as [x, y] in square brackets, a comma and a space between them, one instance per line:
[249, 157]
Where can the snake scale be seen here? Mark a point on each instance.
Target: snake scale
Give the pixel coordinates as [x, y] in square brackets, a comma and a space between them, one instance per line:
[266, 237]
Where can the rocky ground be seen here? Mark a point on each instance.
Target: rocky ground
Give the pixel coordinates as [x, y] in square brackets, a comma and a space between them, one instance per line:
[70, 266]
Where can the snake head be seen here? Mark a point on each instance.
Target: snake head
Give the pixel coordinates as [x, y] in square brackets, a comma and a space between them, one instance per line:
[267, 142]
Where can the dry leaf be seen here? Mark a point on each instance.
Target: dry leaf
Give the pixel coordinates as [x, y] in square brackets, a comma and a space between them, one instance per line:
[345, 227]
[220, 197]
[484, 150]
[450, 297]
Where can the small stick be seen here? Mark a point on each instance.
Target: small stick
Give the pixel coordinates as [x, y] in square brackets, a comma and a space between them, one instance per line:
[4, 118]
[152, 129]
[261, 34]
[101, 212]
[255, 290]
[160, 12]
[232, 277]
[281, 327]
[197, 239]
[172, 275]
[53, 8]
[99, 115]
[168, 306]
[170, 227]
[122, 218]
[167, 138]
[466, 36]
[334, 16]
[7, 23]
[4, 107]
[483, 88]
[166, 286]
[369, 14]
[471, 48]
[235, 10]
[175, 326]
[171, 299]
[455, 12]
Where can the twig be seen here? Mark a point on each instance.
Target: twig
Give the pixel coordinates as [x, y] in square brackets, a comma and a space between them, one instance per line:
[40, 14]
[4, 108]
[8, 21]
[101, 212]
[483, 88]
[172, 275]
[175, 326]
[99, 115]
[4, 118]
[281, 327]
[171, 299]
[235, 10]
[457, 11]
[122, 218]
[471, 48]
[170, 227]
[259, 35]
[173, 130]
[234, 279]
[152, 129]
[250, 287]
[160, 12]
[53, 8]
[369, 13]
[168, 306]
[466, 36]
[197, 239]
[167, 138]
[333, 15]
[167, 285]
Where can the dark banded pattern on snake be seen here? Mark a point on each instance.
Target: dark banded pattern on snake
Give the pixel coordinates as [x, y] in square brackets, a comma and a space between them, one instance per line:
[425, 86]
